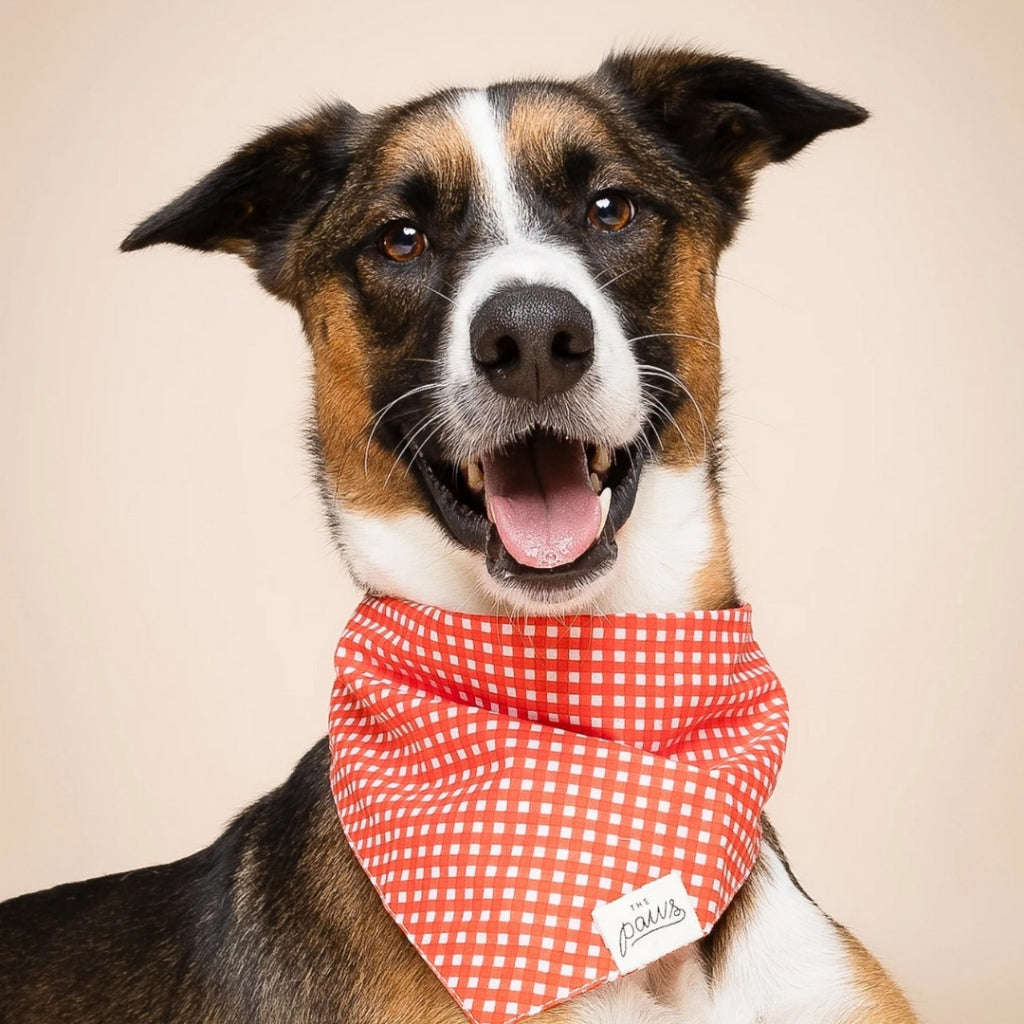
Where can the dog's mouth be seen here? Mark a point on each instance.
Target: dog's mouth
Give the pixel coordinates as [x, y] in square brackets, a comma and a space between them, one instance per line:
[543, 509]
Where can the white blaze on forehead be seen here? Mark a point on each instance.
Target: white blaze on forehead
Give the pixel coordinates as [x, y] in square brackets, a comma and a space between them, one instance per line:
[479, 121]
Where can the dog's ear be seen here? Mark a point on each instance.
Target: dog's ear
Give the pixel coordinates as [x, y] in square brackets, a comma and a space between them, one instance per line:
[724, 117]
[250, 203]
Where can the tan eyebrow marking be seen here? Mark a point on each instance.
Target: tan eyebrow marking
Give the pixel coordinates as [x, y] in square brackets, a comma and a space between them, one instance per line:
[546, 126]
[432, 142]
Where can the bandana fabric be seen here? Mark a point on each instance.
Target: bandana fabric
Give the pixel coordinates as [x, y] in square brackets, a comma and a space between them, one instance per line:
[500, 779]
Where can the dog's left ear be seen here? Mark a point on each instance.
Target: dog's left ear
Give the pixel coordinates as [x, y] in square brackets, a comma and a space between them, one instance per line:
[724, 117]
[250, 203]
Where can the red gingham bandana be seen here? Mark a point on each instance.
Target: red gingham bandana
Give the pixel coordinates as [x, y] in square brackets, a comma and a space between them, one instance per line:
[499, 779]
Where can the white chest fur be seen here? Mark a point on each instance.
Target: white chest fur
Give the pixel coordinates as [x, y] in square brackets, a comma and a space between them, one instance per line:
[785, 964]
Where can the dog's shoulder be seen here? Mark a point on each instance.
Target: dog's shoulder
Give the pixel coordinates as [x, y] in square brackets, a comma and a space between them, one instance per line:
[274, 920]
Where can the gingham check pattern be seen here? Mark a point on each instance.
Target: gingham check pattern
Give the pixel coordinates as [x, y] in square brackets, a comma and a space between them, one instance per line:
[498, 778]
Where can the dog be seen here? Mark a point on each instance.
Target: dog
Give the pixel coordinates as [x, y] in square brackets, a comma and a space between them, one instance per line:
[509, 295]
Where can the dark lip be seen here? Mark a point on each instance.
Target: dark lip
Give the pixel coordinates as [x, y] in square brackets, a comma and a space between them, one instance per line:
[475, 531]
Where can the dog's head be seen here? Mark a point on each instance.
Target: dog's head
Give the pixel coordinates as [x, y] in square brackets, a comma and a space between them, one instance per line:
[509, 295]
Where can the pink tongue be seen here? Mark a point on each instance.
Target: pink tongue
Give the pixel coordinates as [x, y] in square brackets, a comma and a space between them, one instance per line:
[541, 501]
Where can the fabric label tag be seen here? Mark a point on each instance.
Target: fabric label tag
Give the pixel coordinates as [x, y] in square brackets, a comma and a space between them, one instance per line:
[648, 922]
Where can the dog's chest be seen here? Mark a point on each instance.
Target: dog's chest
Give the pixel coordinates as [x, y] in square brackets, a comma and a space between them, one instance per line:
[544, 805]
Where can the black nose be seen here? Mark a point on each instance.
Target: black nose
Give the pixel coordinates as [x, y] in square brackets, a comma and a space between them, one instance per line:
[532, 341]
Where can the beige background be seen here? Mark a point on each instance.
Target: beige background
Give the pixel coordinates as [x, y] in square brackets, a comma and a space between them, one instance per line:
[169, 599]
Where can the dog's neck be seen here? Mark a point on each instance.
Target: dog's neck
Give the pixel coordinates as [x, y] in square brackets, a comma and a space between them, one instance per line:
[673, 555]
[528, 739]
[673, 550]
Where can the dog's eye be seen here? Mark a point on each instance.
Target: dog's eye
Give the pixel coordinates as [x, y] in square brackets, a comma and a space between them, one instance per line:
[401, 241]
[610, 211]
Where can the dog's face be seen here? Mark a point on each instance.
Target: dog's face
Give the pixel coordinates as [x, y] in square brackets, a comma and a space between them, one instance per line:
[509, 295]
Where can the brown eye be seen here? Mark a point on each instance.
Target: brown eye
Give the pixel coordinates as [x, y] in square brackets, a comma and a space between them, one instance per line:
[610, 211]
[401, 241]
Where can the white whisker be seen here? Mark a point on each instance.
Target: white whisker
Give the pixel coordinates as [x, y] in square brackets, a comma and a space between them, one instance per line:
[447, 298]
[601, 287]
[674, 334]
[376, 420]
[408, 442]
[646, 369]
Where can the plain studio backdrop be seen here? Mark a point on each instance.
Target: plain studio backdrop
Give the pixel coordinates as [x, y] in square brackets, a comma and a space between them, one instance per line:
[169, 599]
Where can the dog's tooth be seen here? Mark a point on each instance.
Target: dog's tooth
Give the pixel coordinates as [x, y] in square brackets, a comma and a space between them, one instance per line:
[475, 477]
[606, 504]
[601, 460]
[487, 506]
[595, 482]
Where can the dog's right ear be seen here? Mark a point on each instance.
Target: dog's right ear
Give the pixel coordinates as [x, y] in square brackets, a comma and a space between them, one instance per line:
[249, 205]
[724, 118]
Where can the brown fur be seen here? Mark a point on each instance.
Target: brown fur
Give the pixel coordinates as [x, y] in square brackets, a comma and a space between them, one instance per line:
[883, 1000]
[366, 475]
[431, 142]
[715, 584]
[690, 313]
[540, 129]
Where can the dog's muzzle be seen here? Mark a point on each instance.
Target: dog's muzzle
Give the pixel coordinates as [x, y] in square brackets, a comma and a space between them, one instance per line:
[541, 491]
